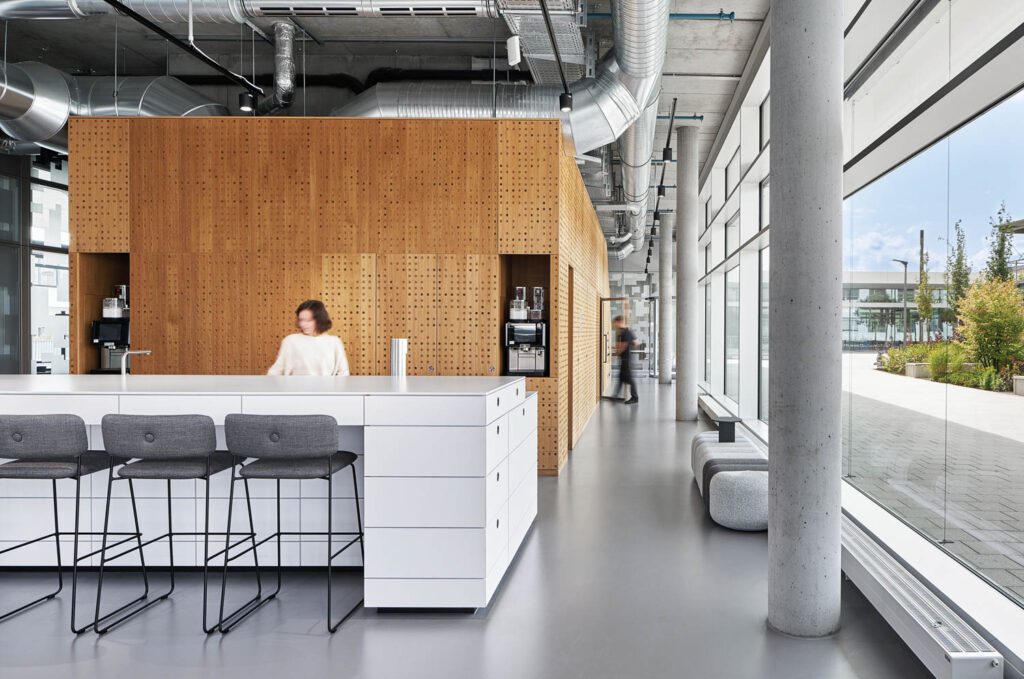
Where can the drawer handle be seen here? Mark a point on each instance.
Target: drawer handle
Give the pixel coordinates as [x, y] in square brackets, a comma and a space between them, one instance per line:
[517, 391]
[497, 523]
[499, 400]
[499, 429]
[524, 411]
[499, 476]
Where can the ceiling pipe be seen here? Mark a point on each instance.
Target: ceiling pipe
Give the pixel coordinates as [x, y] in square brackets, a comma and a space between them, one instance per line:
[37, 100]
[284, 70]
[239, 11]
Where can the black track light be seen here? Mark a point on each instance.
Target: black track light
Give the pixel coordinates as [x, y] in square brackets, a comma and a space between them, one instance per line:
[565, 101]
[657, 216]
[654, 231]
[661, 189]
[666, 154]
[246, 102]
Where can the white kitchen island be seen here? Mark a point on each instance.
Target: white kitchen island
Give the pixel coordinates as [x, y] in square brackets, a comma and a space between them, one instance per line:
[447, 468]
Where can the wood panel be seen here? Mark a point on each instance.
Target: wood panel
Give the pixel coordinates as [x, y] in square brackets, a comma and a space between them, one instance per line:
[349, 290]
[548, 460]
[344, 188]
[193, 186]
[98, 185]
[283, 205]
[270, 309]
[469, 319]
[528, 186]
[407, 307]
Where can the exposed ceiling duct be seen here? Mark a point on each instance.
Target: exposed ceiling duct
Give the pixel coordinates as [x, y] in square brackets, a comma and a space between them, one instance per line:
[238, 11]
[621, 101]
[284, 70]
[37, 100]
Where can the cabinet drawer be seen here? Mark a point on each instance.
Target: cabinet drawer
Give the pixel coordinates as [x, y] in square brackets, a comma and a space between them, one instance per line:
[497, 537]
[424, 593]
[90, 408]
[435, 451]
[216, 406]
[347, 410]
[420, 502]
[427, 552]
[522, 462]
[522, 420]
[433, 411]
[505, 399]
[497, 489]
[522, 510]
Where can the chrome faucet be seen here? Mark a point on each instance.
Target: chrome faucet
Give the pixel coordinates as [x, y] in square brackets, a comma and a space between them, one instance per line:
[124, 359]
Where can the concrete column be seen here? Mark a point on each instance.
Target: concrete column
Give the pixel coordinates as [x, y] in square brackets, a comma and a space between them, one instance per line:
[687, 274]
[805, 377]
[666, 306]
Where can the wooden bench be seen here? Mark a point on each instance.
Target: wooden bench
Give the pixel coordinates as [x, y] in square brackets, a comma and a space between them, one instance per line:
[723, 419]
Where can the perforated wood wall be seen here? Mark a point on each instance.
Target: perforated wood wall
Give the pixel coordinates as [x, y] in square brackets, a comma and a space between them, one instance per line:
[98, 189]
[469, 318]
[528, 170]
[349, 290]
[407, 307]
[396, 224]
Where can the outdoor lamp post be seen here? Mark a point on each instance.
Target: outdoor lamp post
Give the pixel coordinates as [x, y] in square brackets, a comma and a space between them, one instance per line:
[905, 317]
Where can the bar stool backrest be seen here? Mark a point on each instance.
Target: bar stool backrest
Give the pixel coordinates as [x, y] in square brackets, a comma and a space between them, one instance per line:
[159, 437]
[281, 436]
[42, 437]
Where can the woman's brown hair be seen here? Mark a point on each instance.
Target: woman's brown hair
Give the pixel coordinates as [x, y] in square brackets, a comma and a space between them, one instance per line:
[320, 315]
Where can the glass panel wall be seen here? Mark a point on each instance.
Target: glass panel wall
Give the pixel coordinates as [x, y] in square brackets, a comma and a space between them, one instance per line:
[764, 197]
[732, 173]
[732, 333]
[707, 332]
[49, 216]
[10, 309]
[933, 430]
[732, 235]
[764, 116]
[49, 294]
[762, 338]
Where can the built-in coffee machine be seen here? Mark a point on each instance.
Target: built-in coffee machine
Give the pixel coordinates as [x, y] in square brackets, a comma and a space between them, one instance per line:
[526, 339]
[111, 333]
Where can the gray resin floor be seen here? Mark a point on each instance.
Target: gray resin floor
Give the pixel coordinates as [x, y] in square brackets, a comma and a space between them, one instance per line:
[622, 576]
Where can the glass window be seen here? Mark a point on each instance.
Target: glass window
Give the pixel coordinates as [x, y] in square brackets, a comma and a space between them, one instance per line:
[707, 332]
[10, 310]
[49, 312]
[56, 171]
[763, 206]
[707, 212]
[950, 460]
[707, 258]
[732, 235]
[765, 127]
[50, 216]
[10, 209]
[732, 333]
[762, 397]
[732, 173]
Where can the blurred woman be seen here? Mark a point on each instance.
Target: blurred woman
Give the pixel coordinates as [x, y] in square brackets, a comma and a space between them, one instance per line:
[311, 351]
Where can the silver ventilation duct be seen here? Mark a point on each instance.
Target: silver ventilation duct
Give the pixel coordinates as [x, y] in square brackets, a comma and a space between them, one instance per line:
[284, 69]
[238, 11]
[621, 101]
[36, 101]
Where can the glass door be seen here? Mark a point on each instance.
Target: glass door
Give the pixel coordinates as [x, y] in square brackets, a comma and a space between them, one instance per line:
[609, 368]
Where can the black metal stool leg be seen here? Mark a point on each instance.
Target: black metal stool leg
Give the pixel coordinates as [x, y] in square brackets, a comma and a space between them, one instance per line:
[332, 627]
[206, 555]
[60, 569]
[227, 623]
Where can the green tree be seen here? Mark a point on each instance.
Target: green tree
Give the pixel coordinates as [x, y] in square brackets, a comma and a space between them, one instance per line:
[923, 298]
[992, 318]
[1000, 247]
[958, 273]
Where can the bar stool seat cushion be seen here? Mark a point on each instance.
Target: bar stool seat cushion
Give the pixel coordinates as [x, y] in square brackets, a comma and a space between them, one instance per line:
[54, 468]
[176, 468]
[297, 467]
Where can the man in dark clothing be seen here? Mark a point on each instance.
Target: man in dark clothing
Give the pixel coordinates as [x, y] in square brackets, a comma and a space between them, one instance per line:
[623, 342]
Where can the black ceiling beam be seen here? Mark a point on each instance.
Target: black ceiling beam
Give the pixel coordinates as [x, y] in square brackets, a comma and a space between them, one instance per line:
[185, 46]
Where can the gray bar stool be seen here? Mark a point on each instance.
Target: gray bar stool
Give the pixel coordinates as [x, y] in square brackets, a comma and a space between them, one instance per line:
[52, 447]
[293, 447]
[165, 447]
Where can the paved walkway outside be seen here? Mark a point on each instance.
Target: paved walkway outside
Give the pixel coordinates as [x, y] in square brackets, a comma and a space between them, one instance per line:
[948, 460]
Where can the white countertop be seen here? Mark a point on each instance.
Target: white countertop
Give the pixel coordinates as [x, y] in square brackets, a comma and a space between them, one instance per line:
[251, 384]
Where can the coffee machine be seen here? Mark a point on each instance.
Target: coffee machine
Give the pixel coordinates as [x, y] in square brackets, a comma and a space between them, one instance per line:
[111, 333]
[526, 336]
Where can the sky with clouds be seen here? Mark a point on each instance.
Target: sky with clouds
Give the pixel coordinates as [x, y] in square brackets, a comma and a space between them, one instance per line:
[965, 177]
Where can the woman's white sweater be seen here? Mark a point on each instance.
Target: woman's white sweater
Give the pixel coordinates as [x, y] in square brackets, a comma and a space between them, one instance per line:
[310, 355]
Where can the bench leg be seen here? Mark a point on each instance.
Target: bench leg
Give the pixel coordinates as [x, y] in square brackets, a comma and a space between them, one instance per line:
[726, 432]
